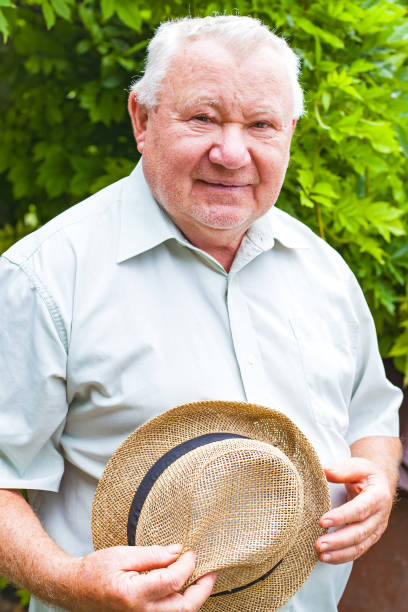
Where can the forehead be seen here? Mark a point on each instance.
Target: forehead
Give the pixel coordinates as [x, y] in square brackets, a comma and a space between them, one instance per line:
[206, 70]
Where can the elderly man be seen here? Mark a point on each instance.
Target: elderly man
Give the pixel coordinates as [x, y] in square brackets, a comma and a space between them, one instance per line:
[176, 284]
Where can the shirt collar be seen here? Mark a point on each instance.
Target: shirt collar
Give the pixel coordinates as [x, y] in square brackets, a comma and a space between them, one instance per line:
[144, 224]
[286, 229]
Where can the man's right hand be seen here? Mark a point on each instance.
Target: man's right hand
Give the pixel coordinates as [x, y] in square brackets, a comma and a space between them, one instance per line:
[109, 580]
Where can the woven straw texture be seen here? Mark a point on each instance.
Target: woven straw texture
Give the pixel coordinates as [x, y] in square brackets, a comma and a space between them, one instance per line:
[241, 505]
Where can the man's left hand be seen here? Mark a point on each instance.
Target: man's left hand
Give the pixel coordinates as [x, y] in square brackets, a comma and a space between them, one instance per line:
[363, 519]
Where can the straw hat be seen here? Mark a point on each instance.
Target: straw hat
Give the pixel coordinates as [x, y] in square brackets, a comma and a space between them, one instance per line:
[237, 483]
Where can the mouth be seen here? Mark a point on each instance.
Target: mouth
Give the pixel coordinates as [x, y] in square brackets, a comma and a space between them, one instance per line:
[224, 186]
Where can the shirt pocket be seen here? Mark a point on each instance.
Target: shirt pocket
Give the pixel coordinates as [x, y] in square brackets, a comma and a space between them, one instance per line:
[327, 348]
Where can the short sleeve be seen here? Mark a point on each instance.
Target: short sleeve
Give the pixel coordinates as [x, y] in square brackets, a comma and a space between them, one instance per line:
[375, 401]
[33, 402]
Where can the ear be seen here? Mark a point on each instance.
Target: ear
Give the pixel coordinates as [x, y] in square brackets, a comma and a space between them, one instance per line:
[139, 116]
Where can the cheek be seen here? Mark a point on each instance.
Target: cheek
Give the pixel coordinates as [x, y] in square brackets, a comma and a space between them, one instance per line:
[190, 151]
[273, 164]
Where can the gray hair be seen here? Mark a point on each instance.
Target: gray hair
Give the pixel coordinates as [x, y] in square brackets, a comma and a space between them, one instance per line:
[233, 31]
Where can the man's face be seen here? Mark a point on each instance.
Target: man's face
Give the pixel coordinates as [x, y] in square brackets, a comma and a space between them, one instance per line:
[216, 147]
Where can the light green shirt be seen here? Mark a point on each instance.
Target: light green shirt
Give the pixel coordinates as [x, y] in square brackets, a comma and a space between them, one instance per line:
[109, 316]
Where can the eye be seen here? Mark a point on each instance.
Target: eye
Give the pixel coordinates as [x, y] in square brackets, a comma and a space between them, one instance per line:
[261, 125]
[202, 118]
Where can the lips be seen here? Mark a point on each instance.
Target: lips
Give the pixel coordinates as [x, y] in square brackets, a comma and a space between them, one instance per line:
[224, 185]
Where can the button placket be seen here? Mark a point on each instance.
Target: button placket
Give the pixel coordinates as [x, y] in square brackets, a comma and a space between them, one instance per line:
[246, 345]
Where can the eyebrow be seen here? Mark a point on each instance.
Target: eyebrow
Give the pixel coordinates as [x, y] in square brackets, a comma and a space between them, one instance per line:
[262, 110]
[198, 101]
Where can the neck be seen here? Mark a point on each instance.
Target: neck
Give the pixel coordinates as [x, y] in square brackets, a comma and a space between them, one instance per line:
[220, 244]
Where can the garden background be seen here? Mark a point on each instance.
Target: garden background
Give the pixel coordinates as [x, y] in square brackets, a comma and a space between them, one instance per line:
[65, 69]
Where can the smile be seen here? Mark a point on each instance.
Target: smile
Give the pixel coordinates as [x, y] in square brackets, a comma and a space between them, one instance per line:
[225, 186]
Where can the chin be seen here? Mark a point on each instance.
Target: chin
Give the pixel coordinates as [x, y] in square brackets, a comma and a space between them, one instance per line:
[222, 219]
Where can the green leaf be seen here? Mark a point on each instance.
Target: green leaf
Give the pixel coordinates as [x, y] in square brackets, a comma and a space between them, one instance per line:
[402, 135]
[310, 28]
[399, 34]
[129, 13]
[306, 178]
[385, 219]
[371, 246]
[401, 252]
[4, 28]
[115, 169]
[108, 8]
[127, 64]
[49, 14]
[361, 65]
[305, 201]
[326, 98]
[328, 66]
[400, 347]
[83, 46]
[24, 597]
[3, 583]
[396, 273]
[61, 8]
[324, 188]
[321, 200]
[6, 3]
[137, 47]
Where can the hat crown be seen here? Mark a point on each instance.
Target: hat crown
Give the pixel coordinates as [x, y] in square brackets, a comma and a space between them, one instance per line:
[237, 503]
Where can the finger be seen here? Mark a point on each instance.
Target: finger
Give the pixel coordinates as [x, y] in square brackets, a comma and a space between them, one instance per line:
[351, 553]
[142, 558]
[352, 535]
[353, 470]
[193, 597]
[159, 583]
[198, 593]
[355, 511]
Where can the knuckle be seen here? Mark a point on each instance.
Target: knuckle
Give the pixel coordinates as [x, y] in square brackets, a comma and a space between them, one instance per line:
[155, 551]
[360, 536]
[168, 579]
[175, 581]
[152, 554]
[359, 550]
[363, 511]
[339, 560]
[376, 535]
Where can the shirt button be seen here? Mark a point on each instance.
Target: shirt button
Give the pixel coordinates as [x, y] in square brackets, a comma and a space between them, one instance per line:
[251, 359]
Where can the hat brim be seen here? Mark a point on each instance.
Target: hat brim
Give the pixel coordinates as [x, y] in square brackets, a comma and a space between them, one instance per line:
[146, 445]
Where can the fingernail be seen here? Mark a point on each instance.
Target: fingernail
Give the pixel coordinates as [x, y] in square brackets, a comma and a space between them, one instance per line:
[325, 557]
[323, 545]
[326, 522]
[174, 549]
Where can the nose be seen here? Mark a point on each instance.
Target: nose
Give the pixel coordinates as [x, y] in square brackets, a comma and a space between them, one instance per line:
[231, 150]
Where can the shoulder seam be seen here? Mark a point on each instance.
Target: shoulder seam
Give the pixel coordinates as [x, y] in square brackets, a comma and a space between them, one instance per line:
[47, 298]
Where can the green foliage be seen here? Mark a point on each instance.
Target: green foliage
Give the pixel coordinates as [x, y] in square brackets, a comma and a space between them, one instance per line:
[22, 594]
[65, 70]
